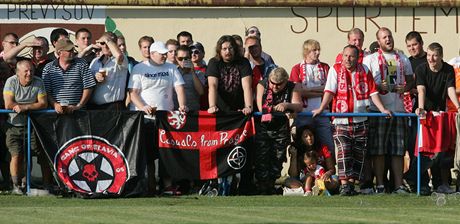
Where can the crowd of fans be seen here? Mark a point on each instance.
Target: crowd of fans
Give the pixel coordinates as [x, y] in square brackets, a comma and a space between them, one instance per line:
[326, 155]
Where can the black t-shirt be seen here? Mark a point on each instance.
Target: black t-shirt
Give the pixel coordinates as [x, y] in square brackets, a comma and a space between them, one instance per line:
[436, 84]
[279, 121]
[51, 56]
[230, 95]
[40, 66]
[415, 62]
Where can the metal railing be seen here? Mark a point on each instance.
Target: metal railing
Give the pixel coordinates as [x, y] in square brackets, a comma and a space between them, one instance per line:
[309, 114]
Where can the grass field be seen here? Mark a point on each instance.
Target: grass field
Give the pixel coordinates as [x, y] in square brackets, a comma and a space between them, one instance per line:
[254, 209]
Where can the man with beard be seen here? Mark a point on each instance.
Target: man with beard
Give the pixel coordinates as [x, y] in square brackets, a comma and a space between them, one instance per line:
[387, 136]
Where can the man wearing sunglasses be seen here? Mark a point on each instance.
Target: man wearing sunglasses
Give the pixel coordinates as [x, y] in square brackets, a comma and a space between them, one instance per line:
[197, 55]
[111, 73]
[38, 50]
[68, 80]
[194, 80]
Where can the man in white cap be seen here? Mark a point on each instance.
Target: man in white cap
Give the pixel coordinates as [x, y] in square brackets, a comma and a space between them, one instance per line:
[151, 86]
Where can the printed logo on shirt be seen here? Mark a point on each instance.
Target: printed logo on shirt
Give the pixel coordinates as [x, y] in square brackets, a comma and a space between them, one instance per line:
[155, 75]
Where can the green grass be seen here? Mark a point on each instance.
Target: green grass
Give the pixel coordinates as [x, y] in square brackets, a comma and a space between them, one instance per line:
[254, 209]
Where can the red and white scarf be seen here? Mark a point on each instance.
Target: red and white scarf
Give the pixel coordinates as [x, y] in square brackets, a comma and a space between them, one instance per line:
[401, 79]
[319, 73]
[344, 101]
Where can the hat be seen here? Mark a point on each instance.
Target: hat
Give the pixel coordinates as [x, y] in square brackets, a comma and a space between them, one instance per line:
[197, 45]
[374, 47]
[159, 47]
[64, 44]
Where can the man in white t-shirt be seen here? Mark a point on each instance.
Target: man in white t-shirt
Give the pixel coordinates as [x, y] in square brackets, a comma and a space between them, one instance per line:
[387, 136]
[153, 81]
[151, 87]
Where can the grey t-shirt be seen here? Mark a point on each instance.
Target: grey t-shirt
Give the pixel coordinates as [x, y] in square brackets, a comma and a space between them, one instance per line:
[23, 95]
[191, 96]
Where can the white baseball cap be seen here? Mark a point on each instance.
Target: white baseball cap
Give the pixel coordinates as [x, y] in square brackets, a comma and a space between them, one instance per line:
[159, 47]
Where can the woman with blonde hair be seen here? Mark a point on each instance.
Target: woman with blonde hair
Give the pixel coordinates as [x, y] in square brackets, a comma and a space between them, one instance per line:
[276, 95]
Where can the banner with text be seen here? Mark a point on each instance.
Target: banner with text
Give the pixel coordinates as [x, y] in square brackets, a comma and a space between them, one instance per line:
[96, 153]
[203, 146]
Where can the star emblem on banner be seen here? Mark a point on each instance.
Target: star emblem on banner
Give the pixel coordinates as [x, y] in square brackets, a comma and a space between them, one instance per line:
[91, 172]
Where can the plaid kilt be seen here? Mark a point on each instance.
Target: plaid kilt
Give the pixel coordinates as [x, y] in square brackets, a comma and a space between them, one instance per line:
[387, 136]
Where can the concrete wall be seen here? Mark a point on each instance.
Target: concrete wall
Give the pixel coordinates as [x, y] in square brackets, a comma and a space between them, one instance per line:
[283, 29]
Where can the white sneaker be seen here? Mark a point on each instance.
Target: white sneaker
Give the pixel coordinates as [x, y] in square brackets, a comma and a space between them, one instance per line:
[308, 193]
[17, 190]
[445, 189]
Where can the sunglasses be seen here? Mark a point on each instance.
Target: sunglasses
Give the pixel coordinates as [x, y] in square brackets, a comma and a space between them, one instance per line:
[12, 42]
[101, 43]
[253, 31]
[182, 58]
[195, 52]
[277, 84]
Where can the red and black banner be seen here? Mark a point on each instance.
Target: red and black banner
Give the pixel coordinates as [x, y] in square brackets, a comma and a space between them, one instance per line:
[203, 146]
[95, 152]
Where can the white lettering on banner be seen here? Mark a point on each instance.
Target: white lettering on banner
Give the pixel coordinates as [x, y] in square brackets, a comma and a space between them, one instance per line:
[71, 152]
[216, 139]
[231, 141]
[15, 13]
[186, 142]
[94, 147]
[208, 143]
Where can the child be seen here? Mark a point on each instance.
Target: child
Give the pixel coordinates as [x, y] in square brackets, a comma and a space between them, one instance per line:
[314, 174]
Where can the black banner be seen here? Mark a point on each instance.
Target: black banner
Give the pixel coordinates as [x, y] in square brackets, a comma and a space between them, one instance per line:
[199, 145]
[96, 153]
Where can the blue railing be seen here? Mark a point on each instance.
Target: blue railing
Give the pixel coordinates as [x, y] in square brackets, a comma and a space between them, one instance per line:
[309, 114]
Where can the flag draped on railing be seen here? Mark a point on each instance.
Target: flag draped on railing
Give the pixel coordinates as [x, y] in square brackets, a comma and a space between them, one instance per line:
[94, 152]
[202, 146]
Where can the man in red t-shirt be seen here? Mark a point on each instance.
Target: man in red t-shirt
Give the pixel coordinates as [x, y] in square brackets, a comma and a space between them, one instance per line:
[356, 38]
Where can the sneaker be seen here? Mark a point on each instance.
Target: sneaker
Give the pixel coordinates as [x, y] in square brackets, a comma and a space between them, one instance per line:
[380, 189]
[172, 191]
[445, 189]
[352, 190]
[347, 190]
[401, 190]
[367, 191]
[308, 193]
[17, 190]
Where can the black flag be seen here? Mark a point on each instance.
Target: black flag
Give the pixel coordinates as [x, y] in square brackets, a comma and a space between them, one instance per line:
[199, 145]
[95, 152]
